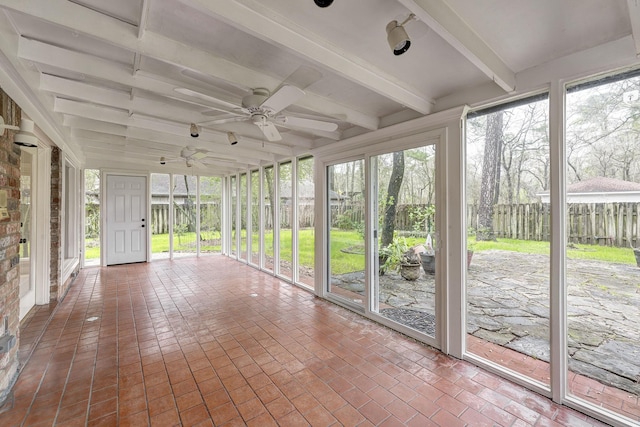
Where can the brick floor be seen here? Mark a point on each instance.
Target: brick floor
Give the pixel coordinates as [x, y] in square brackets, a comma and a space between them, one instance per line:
[210, 341]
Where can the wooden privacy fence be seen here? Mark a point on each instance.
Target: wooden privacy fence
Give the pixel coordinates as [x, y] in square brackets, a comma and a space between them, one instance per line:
[209, 217]
[610, 224]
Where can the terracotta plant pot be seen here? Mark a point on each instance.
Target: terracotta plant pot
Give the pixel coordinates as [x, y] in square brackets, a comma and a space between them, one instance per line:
[410, 271]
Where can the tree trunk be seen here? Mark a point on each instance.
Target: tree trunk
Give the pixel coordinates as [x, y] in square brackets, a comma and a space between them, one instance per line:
[268, 172]
[489, 188]
[395, 182]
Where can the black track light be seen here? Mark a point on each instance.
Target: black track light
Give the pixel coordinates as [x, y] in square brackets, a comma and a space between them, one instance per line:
[323, 3]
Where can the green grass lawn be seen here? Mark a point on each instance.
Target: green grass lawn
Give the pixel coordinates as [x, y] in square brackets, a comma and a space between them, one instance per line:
[347, 248]
[160, 243]
[574, 251]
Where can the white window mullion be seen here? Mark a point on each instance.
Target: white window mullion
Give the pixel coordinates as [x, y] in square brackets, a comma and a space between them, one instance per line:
[171, 216]
[197, 216]
[558, 297]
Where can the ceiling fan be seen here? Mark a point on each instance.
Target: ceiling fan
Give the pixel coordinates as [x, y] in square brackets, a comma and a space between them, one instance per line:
[194, 157]
[263, 109]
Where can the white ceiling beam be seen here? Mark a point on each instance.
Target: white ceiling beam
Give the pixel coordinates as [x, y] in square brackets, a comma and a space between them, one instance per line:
[20, 83]
[153, 45]
[95, 112]
[143, 150]
[86, 117]
[96, 94]
[260, 148]
[144, 15]
[634, 17]
[257, 19]
[442, 19]
[121, 102]
[76, 122]
[118, 99]
[102, 158]
[43, 53]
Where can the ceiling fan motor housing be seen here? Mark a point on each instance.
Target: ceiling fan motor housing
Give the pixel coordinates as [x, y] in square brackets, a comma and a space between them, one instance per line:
[258, 118]
[253, 102]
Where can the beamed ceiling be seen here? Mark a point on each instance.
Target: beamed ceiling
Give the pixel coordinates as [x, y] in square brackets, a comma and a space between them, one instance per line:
[118, 82]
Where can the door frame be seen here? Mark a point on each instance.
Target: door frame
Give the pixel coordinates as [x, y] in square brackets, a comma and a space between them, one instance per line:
[449, 125]
[104, 173]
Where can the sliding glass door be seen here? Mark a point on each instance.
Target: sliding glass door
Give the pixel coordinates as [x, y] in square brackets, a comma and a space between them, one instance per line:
[346, 251]
[405, 287]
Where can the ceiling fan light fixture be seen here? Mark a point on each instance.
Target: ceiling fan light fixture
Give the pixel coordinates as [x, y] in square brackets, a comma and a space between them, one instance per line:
[194, 131]
[397, 36]
[233, 139]
[323, 3]
[189, 163]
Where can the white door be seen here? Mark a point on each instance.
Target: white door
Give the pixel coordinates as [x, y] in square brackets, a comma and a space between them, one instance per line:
[126, 219]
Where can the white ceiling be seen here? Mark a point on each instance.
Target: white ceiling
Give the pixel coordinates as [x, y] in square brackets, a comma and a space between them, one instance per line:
[102, 76]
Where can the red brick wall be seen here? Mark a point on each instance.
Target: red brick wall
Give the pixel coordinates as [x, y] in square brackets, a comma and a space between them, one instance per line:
[9, 242]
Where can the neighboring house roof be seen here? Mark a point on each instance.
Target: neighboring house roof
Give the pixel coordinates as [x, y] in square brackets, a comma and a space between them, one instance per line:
[602, 185]
[599, 189]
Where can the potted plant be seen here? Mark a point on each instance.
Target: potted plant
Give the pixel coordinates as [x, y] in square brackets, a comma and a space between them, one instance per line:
[428, 256]
[399, 257]
[410, 265]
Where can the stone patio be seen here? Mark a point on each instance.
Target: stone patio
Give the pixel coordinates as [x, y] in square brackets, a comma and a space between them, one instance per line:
[508, 304]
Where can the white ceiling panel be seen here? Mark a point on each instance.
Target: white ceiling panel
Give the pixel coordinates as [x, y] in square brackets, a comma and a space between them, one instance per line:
[128, 77]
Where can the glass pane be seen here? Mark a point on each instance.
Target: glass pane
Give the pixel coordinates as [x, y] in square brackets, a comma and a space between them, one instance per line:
[233, 208]
[255, 217]
[210, 214]
[159, 216]
[284, 189]
[306, 236]
[92, 217]
[346, 231]
[405, 288]
[508, 255]
[184, 215]
[26, 160]
[269, 213]
[603, 225]
[243, 217]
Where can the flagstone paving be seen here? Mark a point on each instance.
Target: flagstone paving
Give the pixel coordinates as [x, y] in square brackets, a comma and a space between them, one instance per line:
[508, 304]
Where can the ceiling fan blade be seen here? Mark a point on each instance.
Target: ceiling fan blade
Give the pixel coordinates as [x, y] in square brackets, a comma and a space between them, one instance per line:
[307, 123]
[216, 112]
[303, 77]
[205, 97]
[222, 121]
[269, 130]
[282, 98]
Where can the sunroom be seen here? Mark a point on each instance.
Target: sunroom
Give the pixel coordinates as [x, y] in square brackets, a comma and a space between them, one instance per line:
[331, 145]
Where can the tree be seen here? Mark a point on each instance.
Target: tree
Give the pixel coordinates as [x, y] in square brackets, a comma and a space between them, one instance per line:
[395, 182]
[489, 189]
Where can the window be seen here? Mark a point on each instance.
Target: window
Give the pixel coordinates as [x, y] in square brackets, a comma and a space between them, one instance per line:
[508, 256]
